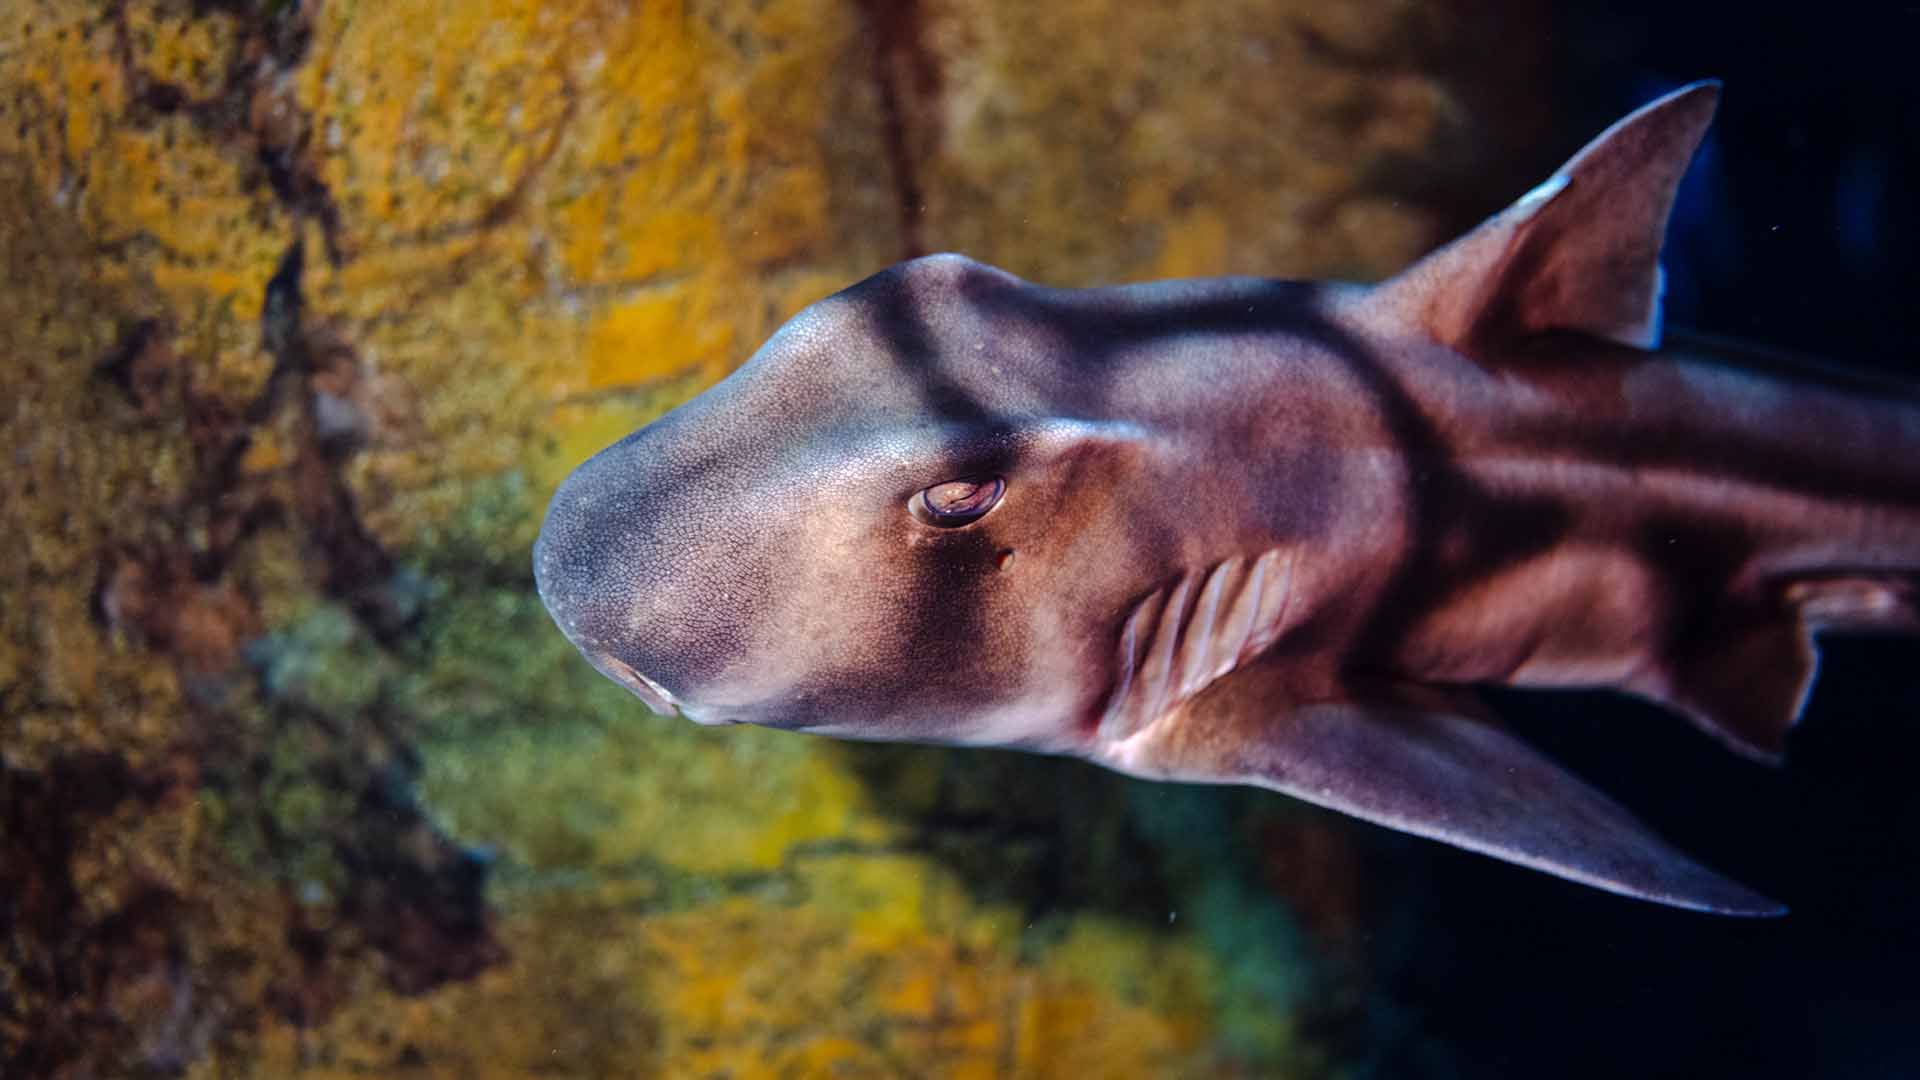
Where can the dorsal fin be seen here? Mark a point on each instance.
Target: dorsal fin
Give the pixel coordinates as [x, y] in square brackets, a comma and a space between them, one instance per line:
[1580, 252]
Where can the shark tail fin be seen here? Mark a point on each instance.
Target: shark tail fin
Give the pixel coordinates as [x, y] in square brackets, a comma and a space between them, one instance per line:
[1579, 253]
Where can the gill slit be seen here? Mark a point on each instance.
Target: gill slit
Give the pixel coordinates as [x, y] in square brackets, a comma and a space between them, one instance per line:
[1182, 636]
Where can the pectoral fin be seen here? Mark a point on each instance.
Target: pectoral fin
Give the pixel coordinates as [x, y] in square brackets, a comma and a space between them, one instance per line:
[1425, 764]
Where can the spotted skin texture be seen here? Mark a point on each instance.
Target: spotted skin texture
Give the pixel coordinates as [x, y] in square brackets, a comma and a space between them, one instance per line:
[1268, 532]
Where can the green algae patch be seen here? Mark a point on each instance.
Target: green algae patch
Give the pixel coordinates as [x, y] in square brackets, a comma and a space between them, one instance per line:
[643, 788]
[525, 748]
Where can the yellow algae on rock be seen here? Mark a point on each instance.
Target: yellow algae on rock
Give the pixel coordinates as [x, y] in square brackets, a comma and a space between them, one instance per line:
[105, 113]
[559, 202]
[750, 988]
[1080, 157]
[82, 464]
[186, 49]
[570, 1004]
[672, 326]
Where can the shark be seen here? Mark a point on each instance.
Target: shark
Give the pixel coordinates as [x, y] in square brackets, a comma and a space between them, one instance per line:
[1267, 532]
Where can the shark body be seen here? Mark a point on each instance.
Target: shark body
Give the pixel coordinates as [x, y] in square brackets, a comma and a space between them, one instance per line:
[1264, 532]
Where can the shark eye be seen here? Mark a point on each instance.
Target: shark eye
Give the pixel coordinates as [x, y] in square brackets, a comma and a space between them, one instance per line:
[957, 502]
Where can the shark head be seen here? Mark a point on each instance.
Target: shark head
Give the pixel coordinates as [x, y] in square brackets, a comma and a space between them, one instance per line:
[895, 521]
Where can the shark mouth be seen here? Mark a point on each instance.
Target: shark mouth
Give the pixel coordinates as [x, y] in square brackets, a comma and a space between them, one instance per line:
[656, 696]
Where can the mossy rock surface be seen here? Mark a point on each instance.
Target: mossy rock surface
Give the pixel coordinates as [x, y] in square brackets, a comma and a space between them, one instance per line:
[306, 308]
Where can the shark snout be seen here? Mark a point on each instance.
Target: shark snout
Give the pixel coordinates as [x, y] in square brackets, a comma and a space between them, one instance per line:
[625, 565]
[590, 565]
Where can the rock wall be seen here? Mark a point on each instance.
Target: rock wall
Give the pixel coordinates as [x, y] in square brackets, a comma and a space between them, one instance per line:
[306, 308]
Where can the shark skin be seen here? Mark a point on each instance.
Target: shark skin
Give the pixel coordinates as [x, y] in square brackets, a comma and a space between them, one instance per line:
[1264, 532]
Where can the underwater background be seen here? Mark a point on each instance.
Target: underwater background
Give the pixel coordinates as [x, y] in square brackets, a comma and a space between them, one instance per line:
[307, 307]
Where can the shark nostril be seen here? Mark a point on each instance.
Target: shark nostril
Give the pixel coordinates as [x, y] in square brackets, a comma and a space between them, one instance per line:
[656, 696]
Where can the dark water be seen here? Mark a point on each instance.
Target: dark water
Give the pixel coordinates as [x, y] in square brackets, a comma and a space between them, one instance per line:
[1797, 227]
